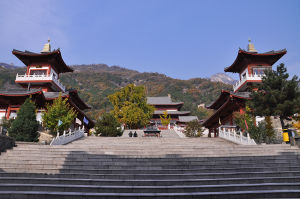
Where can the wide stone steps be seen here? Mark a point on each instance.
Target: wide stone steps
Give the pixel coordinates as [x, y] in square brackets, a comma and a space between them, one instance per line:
[204, 195]
[150, 168]
[147, 189]
[35, 178]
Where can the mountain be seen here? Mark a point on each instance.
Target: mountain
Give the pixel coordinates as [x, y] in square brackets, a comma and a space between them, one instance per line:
[95, 82]
[8, 66]
[222, 77]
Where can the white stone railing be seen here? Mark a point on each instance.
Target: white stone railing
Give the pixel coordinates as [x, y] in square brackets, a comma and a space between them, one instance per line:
[230, 134]
[179, 131]
[41, 78]
[246, 78]
[68, 137]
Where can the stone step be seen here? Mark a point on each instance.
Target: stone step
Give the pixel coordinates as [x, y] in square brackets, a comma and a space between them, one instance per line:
[154, 162]
[145, 167]
[147, 189]
[179, 171]
[75, 178]
[203, 195]
[162, 176]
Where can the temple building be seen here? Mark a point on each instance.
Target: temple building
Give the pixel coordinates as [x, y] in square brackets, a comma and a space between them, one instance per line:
[251, 66]
[162, 104]
[42, 83]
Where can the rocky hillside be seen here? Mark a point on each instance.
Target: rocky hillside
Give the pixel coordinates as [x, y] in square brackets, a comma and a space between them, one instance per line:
[222, 77]
[96, 82]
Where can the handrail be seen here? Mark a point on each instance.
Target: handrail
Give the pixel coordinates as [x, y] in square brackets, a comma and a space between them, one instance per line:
[68, 137]
[230, 134]
[179, 131]
[40, 77]
[247, 77]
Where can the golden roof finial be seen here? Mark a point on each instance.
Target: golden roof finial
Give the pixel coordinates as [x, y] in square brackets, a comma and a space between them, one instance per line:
[47, 47]
[251, 47]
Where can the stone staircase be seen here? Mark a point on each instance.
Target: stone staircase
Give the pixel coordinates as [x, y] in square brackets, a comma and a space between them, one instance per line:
[164, 133]
[149, 167]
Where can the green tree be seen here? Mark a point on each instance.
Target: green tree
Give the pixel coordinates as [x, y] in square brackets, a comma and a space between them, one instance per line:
[59, 110]
[108, 126]
[25, 126]
[241, 119]
[270, 133]
[6, 124]
[203, 113]
[261, 133]
[130, 106]
[165, 118]
[193, 129]
[277, 95]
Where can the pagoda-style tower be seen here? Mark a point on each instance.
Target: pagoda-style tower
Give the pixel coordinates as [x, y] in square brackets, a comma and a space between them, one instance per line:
[251, 65]
[41, 83]
[43, 69]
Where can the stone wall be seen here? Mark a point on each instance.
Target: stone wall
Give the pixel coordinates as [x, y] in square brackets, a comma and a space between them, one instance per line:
[6, 143]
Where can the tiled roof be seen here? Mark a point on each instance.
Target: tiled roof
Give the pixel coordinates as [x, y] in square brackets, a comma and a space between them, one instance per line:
[160, 112]
[52, 95]
[54, 58]
[19, 92]
[187, 118]
[161, 100]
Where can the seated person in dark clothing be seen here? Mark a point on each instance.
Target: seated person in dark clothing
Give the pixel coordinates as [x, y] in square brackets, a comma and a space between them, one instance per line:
[130, 134]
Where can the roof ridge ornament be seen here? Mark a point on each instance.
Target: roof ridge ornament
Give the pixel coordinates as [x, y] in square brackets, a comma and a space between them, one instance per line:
[47, 47]
[251, 47]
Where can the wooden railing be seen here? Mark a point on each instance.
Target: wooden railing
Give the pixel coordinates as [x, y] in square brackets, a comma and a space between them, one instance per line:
[229, 133]
[68, 137]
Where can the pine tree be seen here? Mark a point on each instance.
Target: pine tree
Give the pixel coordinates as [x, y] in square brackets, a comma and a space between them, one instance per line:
[108, 126]
[277, 96]
[59, 110]
[25, 126]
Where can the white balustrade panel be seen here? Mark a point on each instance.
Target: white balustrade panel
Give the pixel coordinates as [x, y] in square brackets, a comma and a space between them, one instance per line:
[245, 78]
[50, 77]
[68, 137]
[179, 131]
[230, 134]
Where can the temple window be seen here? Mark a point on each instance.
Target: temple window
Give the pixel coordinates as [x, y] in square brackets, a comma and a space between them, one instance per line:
[38, 72]
[259, 71]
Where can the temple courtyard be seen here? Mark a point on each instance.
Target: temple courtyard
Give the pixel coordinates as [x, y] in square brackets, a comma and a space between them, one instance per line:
[150, 167]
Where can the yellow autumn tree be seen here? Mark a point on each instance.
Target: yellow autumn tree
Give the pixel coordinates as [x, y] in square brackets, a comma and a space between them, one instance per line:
[165, 118]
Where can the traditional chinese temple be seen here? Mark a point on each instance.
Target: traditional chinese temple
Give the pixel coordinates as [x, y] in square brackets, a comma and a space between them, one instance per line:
[250, 65]
[173, 109]
[42, 83]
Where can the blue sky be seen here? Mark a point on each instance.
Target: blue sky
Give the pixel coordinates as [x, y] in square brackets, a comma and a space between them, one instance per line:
[180, 38]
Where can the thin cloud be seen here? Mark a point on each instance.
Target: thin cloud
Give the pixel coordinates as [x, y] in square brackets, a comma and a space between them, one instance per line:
[27, 24]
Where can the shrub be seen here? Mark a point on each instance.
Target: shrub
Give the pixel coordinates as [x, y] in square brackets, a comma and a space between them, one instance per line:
[193, 129]
[108, 126]
[25, 126]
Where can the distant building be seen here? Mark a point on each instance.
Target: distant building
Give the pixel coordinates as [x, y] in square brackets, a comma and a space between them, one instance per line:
[201, 105]
[251, 66]
[41, 83]
[165, 103]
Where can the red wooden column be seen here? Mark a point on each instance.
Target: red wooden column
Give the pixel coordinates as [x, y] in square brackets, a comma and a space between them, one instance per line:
[8, 112]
